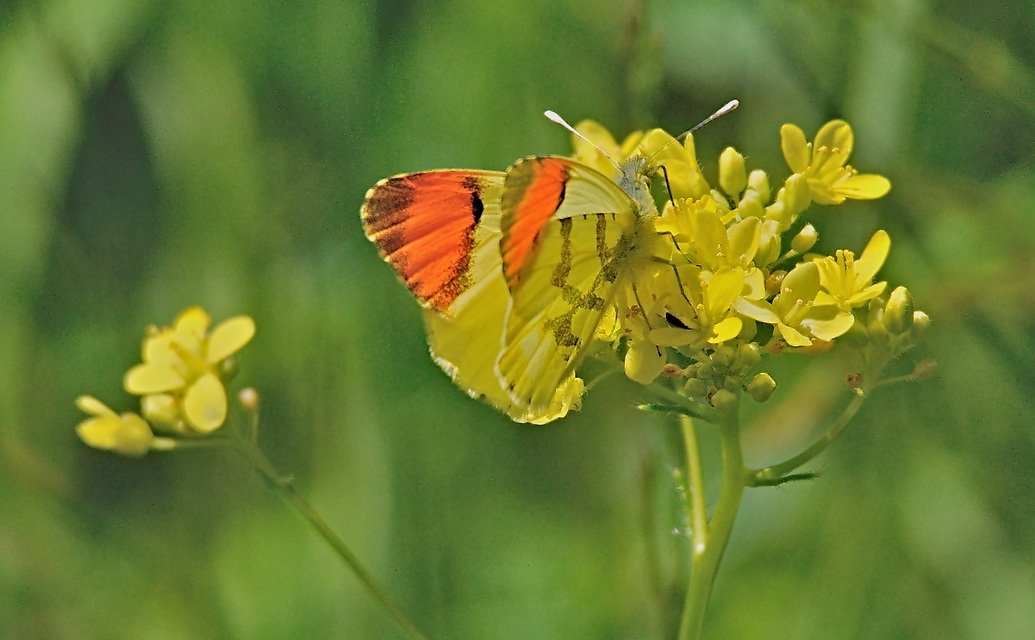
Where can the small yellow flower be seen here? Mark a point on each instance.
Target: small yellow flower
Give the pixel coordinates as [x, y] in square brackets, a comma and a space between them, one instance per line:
[682, 170]
[823, 162]
[127, 434]
[794, 311]
[710, 320]
[848, 283]
[181, 364]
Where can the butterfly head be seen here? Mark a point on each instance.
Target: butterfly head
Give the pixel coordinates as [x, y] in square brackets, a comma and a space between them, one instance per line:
[635, 176]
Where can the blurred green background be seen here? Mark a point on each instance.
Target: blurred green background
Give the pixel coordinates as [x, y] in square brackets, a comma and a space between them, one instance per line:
[158, 155]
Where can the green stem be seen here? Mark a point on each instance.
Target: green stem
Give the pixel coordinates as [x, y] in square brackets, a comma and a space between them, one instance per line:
[709, 541]
[770, 475]
[695, 505]
[365, 577]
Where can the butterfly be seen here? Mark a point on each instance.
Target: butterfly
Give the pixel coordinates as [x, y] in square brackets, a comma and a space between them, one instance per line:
[516, 269]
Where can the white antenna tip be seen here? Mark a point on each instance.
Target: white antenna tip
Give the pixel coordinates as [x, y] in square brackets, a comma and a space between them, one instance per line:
[554, 117]
[726, 108]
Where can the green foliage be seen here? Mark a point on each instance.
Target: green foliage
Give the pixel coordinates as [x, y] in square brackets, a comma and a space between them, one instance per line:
[158, 155]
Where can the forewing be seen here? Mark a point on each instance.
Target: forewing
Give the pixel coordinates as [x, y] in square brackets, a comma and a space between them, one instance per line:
[465, 337]
[544, 188]
[427, 226]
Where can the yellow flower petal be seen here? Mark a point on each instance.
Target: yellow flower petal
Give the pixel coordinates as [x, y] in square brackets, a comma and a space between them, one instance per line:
[803, 282]
[659, 144]
[644, 361]
[192, 321]
[228, 338]
[204, 404]
[867, 294]
[795, 148]
[793, 337]
[837, 137]
[726, 330]
[99, 433]
[863, 186]
[93, 406]
[150, 378]
[823, 193]
[723, 287]
[873, 256]
[754, 284]
[158, 349]
[757, 310]
[827, 323]
[160, 409]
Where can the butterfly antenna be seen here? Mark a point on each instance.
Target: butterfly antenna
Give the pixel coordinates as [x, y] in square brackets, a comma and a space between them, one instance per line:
[721, 111]
[552, 115]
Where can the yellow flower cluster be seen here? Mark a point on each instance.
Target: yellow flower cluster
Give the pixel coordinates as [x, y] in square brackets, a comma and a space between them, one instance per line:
[180, 383]
[726, 286]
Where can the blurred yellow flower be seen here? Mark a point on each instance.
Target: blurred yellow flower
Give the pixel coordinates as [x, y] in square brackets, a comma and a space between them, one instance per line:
[127, 434]
[823, 163]
[181, 367]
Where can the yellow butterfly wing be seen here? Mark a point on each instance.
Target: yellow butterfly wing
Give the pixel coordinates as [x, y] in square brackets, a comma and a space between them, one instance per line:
[440, 231]
[568, 234]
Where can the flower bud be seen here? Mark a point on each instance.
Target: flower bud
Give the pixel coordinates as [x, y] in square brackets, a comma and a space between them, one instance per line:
[748, 329]
[750, 205]
[724, 400]
[161, 409]
[761, 387]
[248, 398]
[768, 249]
[898, 313]
[696, 388]
[796, 194]
[779, 212]
[644, 361]
[748, 355]
[134, 437]
[758, 181]
[732, 174]
[875, 315]
[921, 326]
[805, 239]
[127, 434]
[723, 355]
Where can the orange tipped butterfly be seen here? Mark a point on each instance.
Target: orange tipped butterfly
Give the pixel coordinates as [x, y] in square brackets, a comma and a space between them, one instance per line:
[515, 269]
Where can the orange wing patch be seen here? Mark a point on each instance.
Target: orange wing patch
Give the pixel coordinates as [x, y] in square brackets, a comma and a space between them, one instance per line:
[424, 225]
[533, 191]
